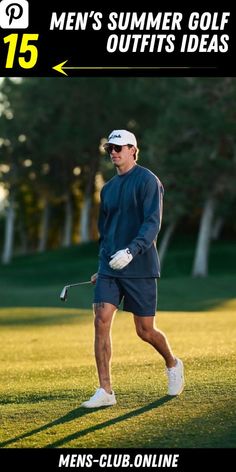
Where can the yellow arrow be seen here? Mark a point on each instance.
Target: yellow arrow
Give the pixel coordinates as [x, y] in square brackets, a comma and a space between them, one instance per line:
[61, 68]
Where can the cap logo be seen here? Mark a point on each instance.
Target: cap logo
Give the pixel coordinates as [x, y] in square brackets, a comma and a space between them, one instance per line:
[115, 136]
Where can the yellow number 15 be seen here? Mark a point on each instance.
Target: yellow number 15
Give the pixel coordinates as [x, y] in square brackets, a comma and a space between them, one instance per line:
[25, 62]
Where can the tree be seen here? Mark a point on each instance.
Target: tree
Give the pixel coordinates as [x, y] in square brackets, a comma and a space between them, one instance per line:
[191, 144]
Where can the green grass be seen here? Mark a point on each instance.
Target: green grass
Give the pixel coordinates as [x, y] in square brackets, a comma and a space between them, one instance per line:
[47, 370]
[179, 258]
[48, 367]
[37, 279]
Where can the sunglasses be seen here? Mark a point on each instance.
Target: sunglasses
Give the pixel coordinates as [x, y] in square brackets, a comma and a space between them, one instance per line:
[109, 148]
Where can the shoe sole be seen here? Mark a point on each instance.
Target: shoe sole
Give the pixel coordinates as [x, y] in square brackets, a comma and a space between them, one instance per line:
[98, 406]
[176, 394]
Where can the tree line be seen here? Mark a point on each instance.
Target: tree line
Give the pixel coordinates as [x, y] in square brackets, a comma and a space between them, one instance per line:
[52, 163]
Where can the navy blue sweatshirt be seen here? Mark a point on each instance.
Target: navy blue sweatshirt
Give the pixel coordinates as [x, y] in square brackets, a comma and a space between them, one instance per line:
[130, 217]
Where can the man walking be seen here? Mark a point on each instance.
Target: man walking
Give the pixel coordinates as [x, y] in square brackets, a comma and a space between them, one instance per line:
[129, 222]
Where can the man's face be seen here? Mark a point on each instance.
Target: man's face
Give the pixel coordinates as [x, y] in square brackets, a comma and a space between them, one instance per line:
[121, 155]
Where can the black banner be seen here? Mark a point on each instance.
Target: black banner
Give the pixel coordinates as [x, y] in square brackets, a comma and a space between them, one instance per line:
[182, 460]
[74, 39]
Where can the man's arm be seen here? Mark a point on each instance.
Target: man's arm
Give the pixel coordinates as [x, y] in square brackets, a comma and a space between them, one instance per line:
[152, 212]
[101, 220]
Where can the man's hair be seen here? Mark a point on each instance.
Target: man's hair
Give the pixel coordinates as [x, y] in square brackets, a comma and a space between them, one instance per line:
[136, 151]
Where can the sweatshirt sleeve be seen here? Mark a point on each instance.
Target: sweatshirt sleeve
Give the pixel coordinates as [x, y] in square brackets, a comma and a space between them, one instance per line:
[152, 217]
[101, 219]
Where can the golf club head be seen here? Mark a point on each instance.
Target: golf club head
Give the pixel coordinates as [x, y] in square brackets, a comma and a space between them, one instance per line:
[63, 295]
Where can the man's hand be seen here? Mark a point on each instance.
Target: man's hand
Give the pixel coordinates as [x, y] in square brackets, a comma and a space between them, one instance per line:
[93, 278]
[120, 259]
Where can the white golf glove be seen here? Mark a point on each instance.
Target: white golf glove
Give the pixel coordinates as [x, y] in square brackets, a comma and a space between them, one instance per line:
[120, 259]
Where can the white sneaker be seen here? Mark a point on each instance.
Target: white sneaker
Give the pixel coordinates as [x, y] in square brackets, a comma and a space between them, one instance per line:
[175, 378]
[100, 398]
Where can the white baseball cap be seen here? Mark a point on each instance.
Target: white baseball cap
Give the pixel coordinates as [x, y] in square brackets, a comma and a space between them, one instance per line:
[122, 137]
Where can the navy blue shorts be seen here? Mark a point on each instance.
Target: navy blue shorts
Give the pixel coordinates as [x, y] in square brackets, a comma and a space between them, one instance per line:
[139, 295]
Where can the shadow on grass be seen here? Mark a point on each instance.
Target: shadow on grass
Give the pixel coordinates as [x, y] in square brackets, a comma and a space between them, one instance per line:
[79, 413]
[33, 398]
[40, 320]
[42, 316]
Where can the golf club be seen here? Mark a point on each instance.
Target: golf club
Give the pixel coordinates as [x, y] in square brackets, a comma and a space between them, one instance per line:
[63, 295]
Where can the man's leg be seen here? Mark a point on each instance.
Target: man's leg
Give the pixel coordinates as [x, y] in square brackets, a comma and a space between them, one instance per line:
[103, 316]
[145, 327]
[146, 330]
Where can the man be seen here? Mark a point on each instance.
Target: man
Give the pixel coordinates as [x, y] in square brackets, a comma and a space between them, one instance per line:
[129, 222]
